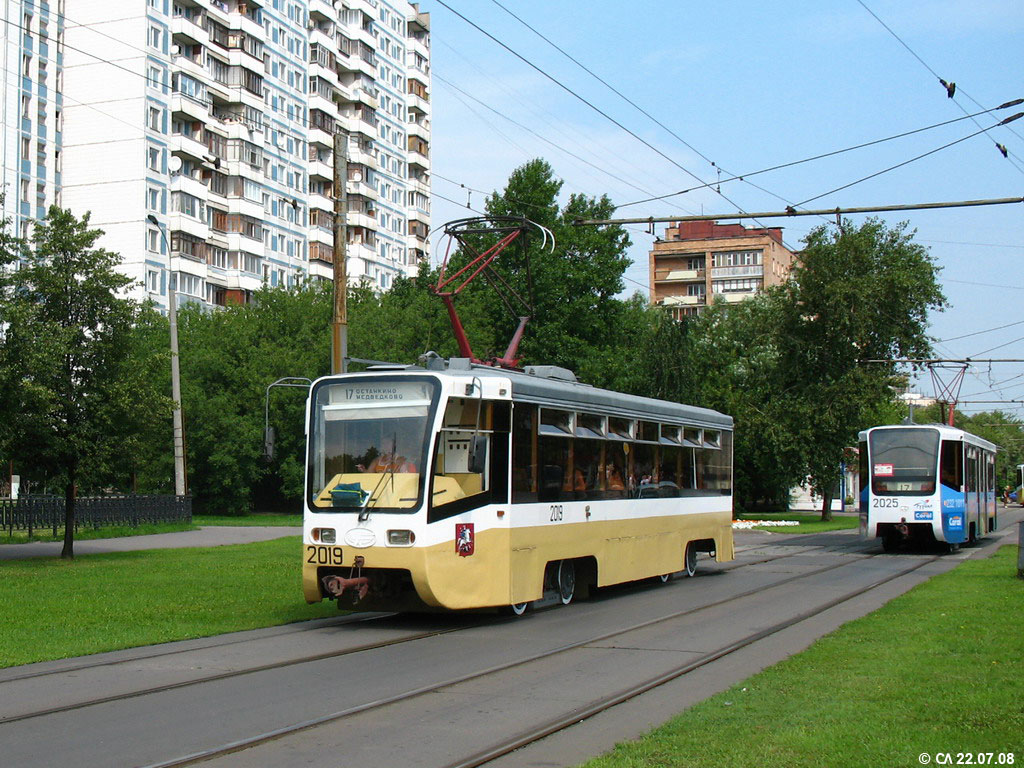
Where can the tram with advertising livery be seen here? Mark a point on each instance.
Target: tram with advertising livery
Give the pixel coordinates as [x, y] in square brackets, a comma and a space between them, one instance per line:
[927, 483]
[463, 486]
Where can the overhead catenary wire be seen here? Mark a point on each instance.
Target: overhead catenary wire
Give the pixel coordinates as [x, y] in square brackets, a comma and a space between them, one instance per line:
[580, 98]
[951, 87]
[823, 155]
[906, 162]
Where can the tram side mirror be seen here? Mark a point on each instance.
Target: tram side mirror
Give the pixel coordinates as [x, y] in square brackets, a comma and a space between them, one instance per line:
[268, 444]
[477, 454]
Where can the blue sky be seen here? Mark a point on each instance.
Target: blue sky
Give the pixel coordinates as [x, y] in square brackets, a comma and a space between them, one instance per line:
[750, 85]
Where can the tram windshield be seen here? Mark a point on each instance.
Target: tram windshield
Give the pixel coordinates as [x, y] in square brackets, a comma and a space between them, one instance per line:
[368, 444]
[904, 461]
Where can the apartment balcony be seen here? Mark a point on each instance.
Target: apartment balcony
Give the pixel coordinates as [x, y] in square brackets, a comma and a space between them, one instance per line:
[324, 237]
[359, 219]
[186, 105]
[421, 129]
[686, 301]
[320, 36]
[322, 10]
[194, 187]
[367, 97]
[177, 222]
[193, 29]
[239, 242]
[676, 275]
[417, 103]
[734, 297]
[188, 146]
[320, 170]
[190, 67]
[320, 200]
[752, 270]
[362, 188]
[246, 207]
[361, 156]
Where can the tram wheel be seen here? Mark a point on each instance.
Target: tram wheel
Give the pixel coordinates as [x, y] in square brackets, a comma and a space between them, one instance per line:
[664, 578]
[691, 560]
[566, 581]
[517, 609]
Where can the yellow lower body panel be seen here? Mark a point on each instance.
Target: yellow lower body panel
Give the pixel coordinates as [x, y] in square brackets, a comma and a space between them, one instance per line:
[507, 565]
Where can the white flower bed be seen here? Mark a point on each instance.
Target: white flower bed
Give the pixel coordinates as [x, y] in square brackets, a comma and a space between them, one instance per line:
[743, 525]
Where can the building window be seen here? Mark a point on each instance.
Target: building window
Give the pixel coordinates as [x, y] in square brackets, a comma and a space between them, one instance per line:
[153, 159]
[695, 289]
[152, 281]
[155, 36]
[154, 118]
[153, 240]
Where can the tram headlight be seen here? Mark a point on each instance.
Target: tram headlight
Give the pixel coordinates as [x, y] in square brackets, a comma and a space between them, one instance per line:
[401, 538]
[325, 535]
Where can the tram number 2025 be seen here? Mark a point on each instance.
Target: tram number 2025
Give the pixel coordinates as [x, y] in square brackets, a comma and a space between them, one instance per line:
[323, 555]
[556, 512]
[884, 502]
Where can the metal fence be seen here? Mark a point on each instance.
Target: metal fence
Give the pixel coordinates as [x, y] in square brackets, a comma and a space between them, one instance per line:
[38, 512]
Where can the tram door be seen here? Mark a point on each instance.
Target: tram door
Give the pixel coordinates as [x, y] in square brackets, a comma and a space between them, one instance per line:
[972, 500]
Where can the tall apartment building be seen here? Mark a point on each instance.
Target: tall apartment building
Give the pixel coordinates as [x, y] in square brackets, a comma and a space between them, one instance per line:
[698, 261]
[200, 133]
[30, 138]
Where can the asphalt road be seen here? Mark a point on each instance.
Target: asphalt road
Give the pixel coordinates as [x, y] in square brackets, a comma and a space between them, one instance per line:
[208, 536]
[257, 682]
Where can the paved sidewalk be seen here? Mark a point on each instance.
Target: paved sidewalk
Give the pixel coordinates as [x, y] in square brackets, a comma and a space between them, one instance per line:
[208, 536]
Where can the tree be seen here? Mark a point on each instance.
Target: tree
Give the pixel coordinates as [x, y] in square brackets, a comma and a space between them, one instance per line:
[857, 298]
[67, 342]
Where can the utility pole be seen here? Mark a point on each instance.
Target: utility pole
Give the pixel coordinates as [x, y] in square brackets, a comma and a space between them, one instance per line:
[179, 431]
[339, 327]
[172, 318]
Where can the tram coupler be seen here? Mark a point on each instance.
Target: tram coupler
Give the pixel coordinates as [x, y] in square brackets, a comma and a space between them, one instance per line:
[902, 528]
[337, 585]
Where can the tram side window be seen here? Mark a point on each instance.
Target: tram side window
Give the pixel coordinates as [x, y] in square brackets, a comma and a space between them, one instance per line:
[586, 480]
[471, 459]
[717, 469]
[524, 466]
[553, 468]
[951, 470]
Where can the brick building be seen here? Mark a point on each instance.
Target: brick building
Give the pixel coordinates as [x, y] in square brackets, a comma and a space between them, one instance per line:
[698, 261]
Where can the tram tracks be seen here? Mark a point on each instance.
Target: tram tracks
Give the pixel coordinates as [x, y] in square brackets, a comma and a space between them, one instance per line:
[577, 714]
[295, 661]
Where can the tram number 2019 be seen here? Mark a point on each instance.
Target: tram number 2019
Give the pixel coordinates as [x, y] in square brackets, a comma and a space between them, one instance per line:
[323, 555]
[556, 512]
[884, 503]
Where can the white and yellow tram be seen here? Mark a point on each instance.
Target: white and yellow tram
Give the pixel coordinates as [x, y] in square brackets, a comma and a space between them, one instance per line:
[926, 482]
[463, 486]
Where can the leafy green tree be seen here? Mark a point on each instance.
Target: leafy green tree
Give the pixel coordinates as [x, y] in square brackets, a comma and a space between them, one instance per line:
[67, 342]
[228, 359]
[858, 298]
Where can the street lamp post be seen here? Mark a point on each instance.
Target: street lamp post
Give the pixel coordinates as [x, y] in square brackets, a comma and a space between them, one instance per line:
[172, 316]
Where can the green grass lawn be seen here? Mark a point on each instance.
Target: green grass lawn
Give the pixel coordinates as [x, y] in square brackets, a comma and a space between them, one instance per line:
[938, 669]
[53, 609]
[809, 523]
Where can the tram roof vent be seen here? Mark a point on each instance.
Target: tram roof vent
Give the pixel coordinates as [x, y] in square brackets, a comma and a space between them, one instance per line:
[551, 372]
[460, 364]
